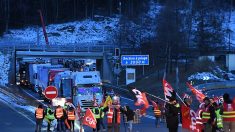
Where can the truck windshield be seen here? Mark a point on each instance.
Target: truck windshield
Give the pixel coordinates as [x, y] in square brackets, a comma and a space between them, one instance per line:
[88, 90]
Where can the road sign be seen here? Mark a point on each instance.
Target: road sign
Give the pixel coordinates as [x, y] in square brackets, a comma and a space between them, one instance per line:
[134, 60]
[51, 92]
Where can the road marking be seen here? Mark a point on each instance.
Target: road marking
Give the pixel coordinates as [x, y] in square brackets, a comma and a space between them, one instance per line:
[8, 104]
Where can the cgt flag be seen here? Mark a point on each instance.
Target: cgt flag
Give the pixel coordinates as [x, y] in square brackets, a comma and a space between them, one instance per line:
[168, 90]
[199, 95]
[89, 119]
[141, 100]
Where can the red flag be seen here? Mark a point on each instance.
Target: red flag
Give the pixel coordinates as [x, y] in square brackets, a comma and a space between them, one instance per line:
[185, 117]
[168, 90]
[141, 98]
[193, 121]
[199, 95]
[89, 119]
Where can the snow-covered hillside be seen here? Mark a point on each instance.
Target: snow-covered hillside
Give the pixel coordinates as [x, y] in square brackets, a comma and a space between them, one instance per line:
[100, 30]
[4, 68]
[73, 32]
[232, 28]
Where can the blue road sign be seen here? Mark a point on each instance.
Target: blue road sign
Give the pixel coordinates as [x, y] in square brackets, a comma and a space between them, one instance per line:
[134, 60]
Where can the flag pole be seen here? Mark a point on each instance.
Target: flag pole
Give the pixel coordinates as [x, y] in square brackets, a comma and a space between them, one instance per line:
[157, 97]
[180, 99]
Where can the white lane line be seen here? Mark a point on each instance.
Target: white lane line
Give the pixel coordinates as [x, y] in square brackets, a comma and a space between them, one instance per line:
[33, 122]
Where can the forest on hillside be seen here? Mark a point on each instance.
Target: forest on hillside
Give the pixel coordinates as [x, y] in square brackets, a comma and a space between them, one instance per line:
[20, 13]
[180, 24]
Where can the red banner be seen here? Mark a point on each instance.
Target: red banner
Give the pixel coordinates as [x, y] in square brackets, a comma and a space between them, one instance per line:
[168, 90]
[186, 120]
[199, 95]
[89, 119]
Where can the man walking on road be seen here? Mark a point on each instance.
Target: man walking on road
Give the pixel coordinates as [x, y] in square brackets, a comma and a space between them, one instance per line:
[39, 115]
[172, 110]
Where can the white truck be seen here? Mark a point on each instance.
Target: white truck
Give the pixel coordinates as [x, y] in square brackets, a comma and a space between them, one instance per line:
[87, 85]
[43, 75]
[78, 88]
[33, 75]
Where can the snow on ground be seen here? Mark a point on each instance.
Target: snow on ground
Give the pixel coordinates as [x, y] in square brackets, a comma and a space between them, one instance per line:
[87, 32]
[203, 76]
[16, 103]
[4, 68]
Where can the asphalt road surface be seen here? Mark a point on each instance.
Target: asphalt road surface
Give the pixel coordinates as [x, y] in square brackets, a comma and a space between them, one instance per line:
[14, 121]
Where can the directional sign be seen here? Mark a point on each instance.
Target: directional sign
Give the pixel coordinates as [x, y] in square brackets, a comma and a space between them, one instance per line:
[51, 92]
[134, 60]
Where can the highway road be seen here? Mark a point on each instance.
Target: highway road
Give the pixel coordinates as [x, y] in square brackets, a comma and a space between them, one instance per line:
[18, 121]
[12, 120]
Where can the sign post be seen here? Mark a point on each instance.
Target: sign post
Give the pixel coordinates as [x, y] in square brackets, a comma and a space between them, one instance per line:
[51, 92]
[133, 60]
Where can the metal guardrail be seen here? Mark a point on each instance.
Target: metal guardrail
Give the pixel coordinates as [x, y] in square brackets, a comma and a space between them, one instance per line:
[21, 46]
[216, 85]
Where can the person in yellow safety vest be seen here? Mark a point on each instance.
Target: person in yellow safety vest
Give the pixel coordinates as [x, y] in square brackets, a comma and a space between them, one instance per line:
[49, 117]
[157, 114]
[102, 116]
[219, 120]
[71, 118]
[228, 114]
[97, 113]
[208, 116]
[39, 115]
[60, 115]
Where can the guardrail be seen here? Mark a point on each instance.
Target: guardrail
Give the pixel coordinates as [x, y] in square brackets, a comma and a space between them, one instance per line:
[216, 85]
[21, 46]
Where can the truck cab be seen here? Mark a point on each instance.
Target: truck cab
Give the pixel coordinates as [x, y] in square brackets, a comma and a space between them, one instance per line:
[87, 88]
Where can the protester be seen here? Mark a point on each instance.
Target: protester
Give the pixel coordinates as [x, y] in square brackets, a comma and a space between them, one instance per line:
[60, 115]
[172, 110]
[71, 118]
[219, 121]
[49, 117]
[228, 114]
[114, 115]
[208, 116]
[129, 117]
[39, 115]
[157, 114]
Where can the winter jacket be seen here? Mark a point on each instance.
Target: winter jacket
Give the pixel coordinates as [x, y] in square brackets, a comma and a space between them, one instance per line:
[172, 115]
[129, 114]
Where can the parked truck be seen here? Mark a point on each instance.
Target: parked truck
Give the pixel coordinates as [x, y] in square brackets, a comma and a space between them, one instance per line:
[44, 75]
[78, 88]
[33, 75]
[87, 87]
